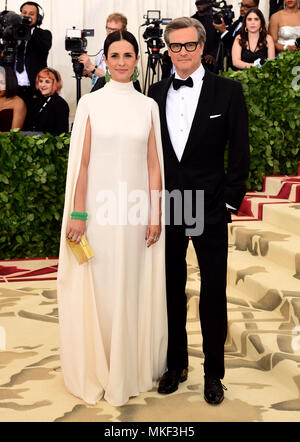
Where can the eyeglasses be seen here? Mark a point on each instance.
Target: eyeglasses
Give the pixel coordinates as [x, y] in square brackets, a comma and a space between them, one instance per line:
[242, 5]
[111, 29]
[190, 46]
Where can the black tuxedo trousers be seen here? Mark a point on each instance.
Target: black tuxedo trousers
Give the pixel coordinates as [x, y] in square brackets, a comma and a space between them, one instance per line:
[211, 251]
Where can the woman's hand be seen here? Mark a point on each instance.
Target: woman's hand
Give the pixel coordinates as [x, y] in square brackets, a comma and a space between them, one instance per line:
[152, 234]
[75, 230]
[292, 48]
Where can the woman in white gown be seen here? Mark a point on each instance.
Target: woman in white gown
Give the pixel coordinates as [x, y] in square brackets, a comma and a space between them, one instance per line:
[285, 26]
[112, 309]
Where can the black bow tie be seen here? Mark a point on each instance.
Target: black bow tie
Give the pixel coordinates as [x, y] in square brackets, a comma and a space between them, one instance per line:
[178, 83]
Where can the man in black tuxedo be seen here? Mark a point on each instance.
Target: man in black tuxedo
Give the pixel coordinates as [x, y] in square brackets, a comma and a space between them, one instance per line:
[32, 55]
[228, 35]
[200, 113]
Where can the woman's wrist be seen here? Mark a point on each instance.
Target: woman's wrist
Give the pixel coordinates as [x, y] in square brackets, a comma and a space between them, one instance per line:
[83, 216]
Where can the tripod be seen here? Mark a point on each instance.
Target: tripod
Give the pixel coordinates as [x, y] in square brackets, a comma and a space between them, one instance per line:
[154, 60]
[78, 70]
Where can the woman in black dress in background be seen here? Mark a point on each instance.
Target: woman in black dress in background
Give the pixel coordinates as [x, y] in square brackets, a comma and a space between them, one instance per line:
[12, 107]
[253, 42]
[48, 112]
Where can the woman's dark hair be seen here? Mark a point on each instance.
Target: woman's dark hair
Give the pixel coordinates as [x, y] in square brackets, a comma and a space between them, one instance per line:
[262, 40]
[11, 82]
[118, 36]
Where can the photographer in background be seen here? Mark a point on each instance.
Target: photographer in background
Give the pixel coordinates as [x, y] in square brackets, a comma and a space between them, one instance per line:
[114, 22]
[228, 35]
[204, 15]
[32, 55]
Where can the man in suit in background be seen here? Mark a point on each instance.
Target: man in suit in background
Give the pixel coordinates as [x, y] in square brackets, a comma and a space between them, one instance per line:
[204, 15]
[32, 55]
[200, 113]
[228, 35]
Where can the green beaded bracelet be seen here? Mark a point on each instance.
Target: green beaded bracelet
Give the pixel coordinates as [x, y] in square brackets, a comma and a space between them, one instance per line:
[79, 215]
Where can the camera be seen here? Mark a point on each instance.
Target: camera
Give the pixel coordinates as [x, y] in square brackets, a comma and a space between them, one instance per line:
[225, 12]
[152, 37]
[76, 41]
[153, 31]
[297, 43]
[14, 28]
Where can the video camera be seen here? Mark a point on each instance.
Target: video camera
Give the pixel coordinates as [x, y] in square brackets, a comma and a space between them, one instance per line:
[153, 23]
[225, 12]
[76, 43]
[153, 32]
[76, 39]
[14, 28]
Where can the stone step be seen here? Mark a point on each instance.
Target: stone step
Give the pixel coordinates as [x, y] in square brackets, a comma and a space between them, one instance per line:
[265, 285]
[256, 333]
[258, 338]
[276, 185]
[283, 215]
[253, 206]
[259, 238]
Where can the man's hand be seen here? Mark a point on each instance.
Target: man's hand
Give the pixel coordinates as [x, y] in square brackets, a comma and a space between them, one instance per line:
[220, 27]
[210, 59]
[86, 61]
[87, 73]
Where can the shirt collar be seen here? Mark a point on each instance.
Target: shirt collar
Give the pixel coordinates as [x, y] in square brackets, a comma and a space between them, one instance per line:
[197, 75]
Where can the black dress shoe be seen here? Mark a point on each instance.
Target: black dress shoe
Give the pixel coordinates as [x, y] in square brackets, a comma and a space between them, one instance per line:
[213, 390]
[170, 380]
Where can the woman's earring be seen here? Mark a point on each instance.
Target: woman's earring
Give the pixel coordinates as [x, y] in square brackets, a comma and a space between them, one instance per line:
[246, 30]
[107, 76]
[135, 74]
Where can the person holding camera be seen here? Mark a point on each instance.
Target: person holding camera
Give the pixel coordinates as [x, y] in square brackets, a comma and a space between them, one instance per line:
[228, 35]
[114, 22]
[204, 15]
[284, 27]
[32, 55]
[253, 45]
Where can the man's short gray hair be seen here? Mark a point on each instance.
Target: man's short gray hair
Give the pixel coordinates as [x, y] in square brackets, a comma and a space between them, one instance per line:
[185, 22]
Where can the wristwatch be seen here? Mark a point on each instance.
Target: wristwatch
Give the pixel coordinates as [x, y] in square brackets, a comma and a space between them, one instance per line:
[93, 71]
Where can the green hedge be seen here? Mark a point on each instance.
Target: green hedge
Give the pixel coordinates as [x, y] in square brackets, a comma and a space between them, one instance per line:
[33, 169]
[32, 186]
[274, 116]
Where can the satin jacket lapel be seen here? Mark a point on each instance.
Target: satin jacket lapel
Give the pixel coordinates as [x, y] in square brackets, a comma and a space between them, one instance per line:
[168, 147]
[203, 111]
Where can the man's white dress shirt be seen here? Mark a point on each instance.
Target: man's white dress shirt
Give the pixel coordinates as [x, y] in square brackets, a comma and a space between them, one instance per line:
[180, 110]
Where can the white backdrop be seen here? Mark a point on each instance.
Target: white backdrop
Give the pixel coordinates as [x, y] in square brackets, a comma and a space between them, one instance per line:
[91, 14]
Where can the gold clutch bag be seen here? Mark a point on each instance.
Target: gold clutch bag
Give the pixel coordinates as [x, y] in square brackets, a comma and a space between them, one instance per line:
[82, 251]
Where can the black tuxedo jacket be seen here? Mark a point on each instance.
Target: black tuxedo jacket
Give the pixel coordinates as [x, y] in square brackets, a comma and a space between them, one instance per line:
[228, 38]
[221, 117]
[37, 51]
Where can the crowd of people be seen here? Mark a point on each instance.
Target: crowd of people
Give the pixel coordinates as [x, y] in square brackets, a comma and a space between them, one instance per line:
[243, 44]
[29, 91]
[122, 314]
